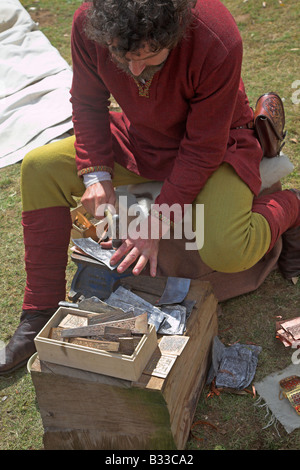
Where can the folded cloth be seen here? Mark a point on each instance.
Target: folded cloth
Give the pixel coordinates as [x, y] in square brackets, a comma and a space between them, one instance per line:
[234, 366]
[35, 81]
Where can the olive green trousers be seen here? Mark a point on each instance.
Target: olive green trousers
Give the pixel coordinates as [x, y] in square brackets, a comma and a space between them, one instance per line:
[235, 237]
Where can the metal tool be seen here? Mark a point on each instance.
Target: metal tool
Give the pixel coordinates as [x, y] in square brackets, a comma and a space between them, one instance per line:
[93, 278]
[113, 221]
[116, 241]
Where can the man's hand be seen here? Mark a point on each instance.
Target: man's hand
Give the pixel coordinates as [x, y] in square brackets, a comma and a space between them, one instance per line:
[142, 249]
[96, 195]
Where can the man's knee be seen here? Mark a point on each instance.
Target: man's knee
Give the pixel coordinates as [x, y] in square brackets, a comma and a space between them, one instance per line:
[55, 158]
[30, 165]
[238, 245]
[49, 176]
[226, 256]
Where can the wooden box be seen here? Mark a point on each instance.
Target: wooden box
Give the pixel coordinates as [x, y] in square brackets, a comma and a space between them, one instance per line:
[86, 411]
[90, 359]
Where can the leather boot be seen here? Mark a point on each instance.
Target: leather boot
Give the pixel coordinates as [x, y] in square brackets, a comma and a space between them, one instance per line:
[21, 346]
[289, 260]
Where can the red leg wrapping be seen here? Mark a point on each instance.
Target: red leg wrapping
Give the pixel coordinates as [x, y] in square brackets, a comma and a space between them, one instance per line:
[282, 211]
[46, 240]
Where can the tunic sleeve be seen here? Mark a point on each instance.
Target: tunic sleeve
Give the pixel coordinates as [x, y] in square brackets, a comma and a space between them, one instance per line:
[90, 102]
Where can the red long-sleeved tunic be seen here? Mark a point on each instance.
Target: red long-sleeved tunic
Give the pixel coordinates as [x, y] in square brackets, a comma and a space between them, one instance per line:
[182, 125]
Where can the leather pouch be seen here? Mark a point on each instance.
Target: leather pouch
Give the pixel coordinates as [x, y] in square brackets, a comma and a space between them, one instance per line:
[269, 122]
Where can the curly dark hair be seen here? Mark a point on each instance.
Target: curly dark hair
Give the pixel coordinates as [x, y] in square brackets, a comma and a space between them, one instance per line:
[131, 23]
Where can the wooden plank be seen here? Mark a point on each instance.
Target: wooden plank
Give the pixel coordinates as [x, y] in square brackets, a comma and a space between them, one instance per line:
[141, 324]
[116, 331]
[139, 284]
[103, 345]
[182, 390]
[136, 324]
[55, 333]
[111, 419]
[93, 330]
[73, 321]
[128, 345]
[106, 316]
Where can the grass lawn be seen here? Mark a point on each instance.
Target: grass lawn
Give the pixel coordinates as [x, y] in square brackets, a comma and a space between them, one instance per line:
[270, 32]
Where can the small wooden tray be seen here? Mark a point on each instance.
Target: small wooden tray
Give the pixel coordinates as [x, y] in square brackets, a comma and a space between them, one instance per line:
[90, 359]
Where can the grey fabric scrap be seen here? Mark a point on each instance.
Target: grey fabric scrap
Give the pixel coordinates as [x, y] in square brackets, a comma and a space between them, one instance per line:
[233, 366]
[218, 349]
[238, 366]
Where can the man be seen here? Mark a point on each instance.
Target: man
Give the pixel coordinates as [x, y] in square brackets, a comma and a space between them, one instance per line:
[174, 67]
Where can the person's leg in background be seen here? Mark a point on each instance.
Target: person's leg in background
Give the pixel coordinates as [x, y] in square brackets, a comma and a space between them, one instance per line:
[238, 228]
[49, 184]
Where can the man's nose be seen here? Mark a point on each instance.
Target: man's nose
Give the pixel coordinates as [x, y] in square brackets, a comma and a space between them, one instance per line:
[136, 67]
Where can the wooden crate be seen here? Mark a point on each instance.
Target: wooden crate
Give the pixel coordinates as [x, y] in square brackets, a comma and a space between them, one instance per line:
[84, 410]
[123, 366]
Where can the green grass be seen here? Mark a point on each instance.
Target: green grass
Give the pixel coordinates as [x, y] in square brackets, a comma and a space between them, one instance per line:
[271, 62]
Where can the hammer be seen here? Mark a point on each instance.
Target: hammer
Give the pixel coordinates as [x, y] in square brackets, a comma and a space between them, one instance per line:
[113, 222]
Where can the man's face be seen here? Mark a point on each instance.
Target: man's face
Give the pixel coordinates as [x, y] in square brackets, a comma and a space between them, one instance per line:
[142, 63]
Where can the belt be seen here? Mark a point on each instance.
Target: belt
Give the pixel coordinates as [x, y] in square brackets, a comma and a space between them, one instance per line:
[250, 125]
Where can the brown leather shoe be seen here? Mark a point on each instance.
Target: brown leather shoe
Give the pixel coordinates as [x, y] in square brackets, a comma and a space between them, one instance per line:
[21, 346]
[289, 260]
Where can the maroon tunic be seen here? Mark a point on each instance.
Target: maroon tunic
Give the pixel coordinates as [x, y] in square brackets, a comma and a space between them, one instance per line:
[180, 126]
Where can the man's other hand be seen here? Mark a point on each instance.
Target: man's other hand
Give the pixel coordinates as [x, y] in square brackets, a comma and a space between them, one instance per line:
[138, 250]
[141, 249]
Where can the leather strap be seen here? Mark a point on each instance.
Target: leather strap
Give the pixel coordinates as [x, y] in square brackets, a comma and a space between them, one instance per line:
[250, 125]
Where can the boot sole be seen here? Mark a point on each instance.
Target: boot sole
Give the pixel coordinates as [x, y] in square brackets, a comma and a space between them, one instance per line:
[18, 366]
